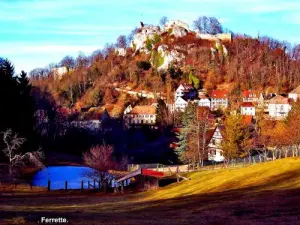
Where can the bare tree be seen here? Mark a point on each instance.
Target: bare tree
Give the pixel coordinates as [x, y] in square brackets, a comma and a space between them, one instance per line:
[163, 20]
[100, 158]
[96, 56]
[82, 60]
[121, 42]
[17, 159]
[68, 62]
[208, 25]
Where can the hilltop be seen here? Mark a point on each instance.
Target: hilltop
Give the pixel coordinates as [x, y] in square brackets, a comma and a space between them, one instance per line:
[266, 193]
[159, 58]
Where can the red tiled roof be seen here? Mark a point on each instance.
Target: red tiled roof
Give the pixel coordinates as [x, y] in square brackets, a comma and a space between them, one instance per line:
[249, 94]
[143, 109]
[247, 104]
[219, 94]
[209, 135]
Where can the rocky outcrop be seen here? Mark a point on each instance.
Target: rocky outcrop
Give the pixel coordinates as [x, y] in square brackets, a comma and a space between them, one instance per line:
[144, 35]
[176, 23]
[177, 28]
[168, 57]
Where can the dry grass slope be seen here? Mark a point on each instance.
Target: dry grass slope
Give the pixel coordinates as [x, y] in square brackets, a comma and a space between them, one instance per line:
[276, 175]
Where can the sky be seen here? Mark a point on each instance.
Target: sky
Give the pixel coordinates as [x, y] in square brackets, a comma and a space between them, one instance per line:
[35, 33]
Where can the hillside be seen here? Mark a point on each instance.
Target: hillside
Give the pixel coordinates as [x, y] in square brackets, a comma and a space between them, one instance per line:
[159, 58]
[266, 193]
[276, 175]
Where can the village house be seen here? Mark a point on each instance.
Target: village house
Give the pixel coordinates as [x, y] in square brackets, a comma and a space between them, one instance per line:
[143, 115]
[264, 100]
[214, 137]
[250, 96]
[180, 104]
[248, 108]
[219, 99]
[204, 101]
[279, 107]
[185, 91]
[295, 94]
[183, 94]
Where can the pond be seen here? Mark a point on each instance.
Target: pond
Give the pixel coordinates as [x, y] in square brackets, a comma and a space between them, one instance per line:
[59, 174]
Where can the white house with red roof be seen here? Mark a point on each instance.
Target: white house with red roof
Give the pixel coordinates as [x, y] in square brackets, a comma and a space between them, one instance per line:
[219, 99]
[295, 94]
[142, 115]
[248, 108]
[250, 96]
[279, 107]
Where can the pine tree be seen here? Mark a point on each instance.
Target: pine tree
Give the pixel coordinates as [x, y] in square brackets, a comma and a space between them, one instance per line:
[185, 132]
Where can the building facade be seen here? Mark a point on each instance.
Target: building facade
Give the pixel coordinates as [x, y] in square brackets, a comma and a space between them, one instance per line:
[204, 101]
[248, 108]
[144, 115]
[279, 107]
[295, 94]
[215, 153]
[219, 99]
[250, 96]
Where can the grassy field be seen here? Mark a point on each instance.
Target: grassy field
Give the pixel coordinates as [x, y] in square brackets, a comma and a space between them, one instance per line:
[267, 193]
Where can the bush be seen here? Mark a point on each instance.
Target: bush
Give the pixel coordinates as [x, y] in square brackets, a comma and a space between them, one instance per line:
[157, 59]
[149, 43]
[143, 65]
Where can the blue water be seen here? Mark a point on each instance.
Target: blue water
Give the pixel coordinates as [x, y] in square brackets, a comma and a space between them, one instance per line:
[58, 175]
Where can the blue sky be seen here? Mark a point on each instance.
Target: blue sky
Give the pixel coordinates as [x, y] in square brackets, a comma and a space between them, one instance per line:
[34, 33]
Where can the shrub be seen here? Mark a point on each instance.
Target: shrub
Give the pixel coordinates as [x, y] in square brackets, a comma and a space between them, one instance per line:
[149, 44]
[157, 59]
[143, 65]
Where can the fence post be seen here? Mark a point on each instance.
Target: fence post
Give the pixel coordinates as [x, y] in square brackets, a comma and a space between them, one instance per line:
[115, 188]
[82, 185]
[88, 184]
[66, 185]
[99, 185]
[49, 184]
[94, 183]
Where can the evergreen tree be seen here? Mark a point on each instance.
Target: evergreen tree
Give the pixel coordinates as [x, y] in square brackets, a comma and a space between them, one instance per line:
[182, 136]
[26, 104]
[15, 100]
